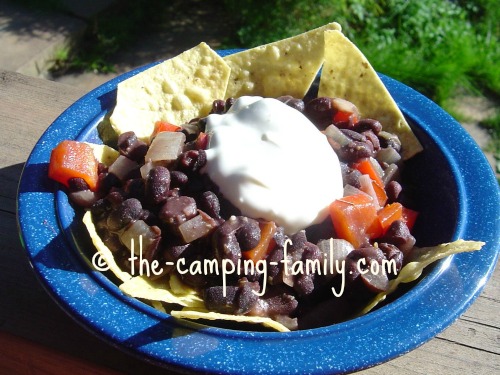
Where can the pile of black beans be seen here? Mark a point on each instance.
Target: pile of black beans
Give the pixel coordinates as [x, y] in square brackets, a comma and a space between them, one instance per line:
[168, 197]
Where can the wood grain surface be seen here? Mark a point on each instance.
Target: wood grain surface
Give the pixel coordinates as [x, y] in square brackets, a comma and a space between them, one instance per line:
[37, 337]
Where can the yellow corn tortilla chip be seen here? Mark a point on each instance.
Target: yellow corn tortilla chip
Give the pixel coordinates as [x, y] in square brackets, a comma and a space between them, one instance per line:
[285, 67]
[419, 259]
[158, 290]
[104, 154]
[176, 90]
[103, 250]
[194, 314]
[347, 74]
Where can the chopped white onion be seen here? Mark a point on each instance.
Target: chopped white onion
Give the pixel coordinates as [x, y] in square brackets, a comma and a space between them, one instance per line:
[122, 166]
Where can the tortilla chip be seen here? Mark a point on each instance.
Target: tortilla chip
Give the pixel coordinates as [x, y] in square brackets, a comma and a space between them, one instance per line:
[177, 90]
[419, 259]
[285, 67]
[157, 290]
[347, 74]
[104, 154]
[193, 314]
[103, 250]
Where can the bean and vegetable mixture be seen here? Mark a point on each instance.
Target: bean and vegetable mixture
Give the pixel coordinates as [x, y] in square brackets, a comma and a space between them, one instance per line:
[180, 214]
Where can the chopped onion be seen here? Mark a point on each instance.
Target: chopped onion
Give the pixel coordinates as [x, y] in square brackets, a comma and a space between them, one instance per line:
[122, 166]
[142, 235]
[166, 147]
[366, 185]
[335, 251]
[146, 168]
[196, 227]
[391, 173]
[83, 198]
[351, 190]
[376, 166]
[336, 135]
[388, 155]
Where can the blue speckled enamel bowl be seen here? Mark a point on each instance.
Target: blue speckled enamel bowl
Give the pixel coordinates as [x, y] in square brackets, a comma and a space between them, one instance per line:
[458, 198]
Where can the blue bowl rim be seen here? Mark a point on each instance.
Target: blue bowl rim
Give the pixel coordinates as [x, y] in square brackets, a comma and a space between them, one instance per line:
[468, 227]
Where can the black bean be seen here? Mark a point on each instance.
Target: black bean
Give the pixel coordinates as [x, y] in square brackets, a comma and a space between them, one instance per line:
[354, 151]
[210, 204]
[299, 240]
[373, 139]
[274, 265]
[393, 189]
[320, 111]
[135, 188]
[281, 304]
[178, 178]
[247, 297]
[218, 106]
[228, 235]
[177, 210]
[304, 282]
[132, 147]
[350, 176]
[116, 196]
[398, 234]
[229, 103]
[295, 103]
[192, 160]
[354, 264]
[389, 140]
[215, 299]
[248, 235]
[393, 254]
[108, 181]
[77, 184]
[129, 211]
[368, 124]
[102, 168]
[157, 184]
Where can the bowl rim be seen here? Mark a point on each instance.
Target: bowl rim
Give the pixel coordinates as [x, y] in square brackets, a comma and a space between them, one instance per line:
[88, 109]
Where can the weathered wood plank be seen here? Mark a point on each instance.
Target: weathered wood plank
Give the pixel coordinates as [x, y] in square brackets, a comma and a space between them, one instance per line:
[27, 107]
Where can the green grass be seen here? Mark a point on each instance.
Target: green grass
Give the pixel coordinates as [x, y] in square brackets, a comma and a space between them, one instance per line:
[110, 31]
[438, 47]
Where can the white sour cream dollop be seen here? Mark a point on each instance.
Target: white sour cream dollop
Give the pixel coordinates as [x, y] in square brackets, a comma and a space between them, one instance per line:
[272, 163]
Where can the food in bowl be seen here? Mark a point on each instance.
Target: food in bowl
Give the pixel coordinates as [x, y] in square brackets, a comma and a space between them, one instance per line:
[266, 207]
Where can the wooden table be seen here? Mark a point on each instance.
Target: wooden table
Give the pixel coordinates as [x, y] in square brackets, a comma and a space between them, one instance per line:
[36, 336]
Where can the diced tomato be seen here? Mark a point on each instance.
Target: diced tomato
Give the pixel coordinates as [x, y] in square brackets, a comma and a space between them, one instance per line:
[365, 166]
[266, 243]
[70, 159]
[164, 126]
[355, 219]
[389, 214]
[409, 216]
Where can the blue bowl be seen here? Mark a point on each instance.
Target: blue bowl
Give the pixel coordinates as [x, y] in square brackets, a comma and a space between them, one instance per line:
[458, 197]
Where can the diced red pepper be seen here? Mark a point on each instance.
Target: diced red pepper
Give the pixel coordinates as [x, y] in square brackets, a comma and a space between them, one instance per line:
[389, 214]
[365, 166]
[266, 243]
[201, 142]
[71, 159]
[164, 126]
[409, 216]
[355, 219]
